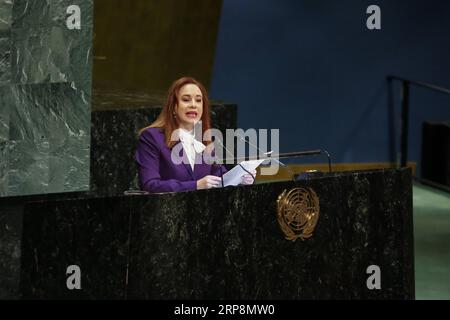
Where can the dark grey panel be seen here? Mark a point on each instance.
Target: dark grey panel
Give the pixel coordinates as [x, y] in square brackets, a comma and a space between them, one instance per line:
[5, 107]
[43, 13]
[5, 57]
[28, 139]
[51, 54]
[69, 139]
[47, 145]
[27, 13]
[6, 8]
[59, 15]
[4, 155]
[10, 250]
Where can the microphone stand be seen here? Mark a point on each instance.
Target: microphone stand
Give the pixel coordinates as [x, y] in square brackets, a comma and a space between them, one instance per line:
[285, 155]
[292, 154]
[268, 155]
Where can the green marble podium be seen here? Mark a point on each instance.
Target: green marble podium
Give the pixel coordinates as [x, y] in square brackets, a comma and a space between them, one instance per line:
[225, 243]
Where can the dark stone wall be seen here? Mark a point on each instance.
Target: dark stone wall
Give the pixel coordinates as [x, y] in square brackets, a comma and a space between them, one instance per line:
[10, 250]
[225, 243]
[11, 235]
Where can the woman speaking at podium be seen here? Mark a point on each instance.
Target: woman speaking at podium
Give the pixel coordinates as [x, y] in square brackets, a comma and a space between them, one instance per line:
[187, 104]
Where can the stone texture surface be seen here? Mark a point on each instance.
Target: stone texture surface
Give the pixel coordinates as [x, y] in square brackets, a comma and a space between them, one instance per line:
[226, 243]
[45, 90]
[10, 250]
[47, 145]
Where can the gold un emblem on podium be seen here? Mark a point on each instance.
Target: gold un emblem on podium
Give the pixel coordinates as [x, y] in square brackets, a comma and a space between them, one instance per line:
[298, 212]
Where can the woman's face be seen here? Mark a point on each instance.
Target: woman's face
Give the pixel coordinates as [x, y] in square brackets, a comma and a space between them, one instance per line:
[189, 106]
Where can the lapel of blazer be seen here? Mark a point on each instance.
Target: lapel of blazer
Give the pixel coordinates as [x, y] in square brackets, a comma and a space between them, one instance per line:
[189, 169]
[186, 163]
[197, 164]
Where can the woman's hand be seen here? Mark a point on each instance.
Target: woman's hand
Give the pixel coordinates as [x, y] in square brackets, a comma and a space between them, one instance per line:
[248, 179]
[209, 182]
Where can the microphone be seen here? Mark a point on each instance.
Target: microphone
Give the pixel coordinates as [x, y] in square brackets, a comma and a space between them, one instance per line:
[229, 152]
[292, 154]
[268, 154]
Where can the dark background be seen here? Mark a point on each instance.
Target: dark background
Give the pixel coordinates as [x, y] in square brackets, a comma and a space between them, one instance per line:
[309, 68]
[314, 70]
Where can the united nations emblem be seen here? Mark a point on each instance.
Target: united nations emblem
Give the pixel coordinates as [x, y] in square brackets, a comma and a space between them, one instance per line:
[298, 212]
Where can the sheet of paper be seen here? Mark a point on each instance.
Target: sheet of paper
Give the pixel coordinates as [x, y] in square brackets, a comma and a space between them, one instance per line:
[234, 176]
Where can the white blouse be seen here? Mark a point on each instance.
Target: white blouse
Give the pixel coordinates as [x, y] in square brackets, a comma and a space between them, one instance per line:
[191, 145]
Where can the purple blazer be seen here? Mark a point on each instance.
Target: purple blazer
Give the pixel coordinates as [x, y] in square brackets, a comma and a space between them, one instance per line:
[157, 171]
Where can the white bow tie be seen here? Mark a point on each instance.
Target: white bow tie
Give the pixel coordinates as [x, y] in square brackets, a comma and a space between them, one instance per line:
[190, 140]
